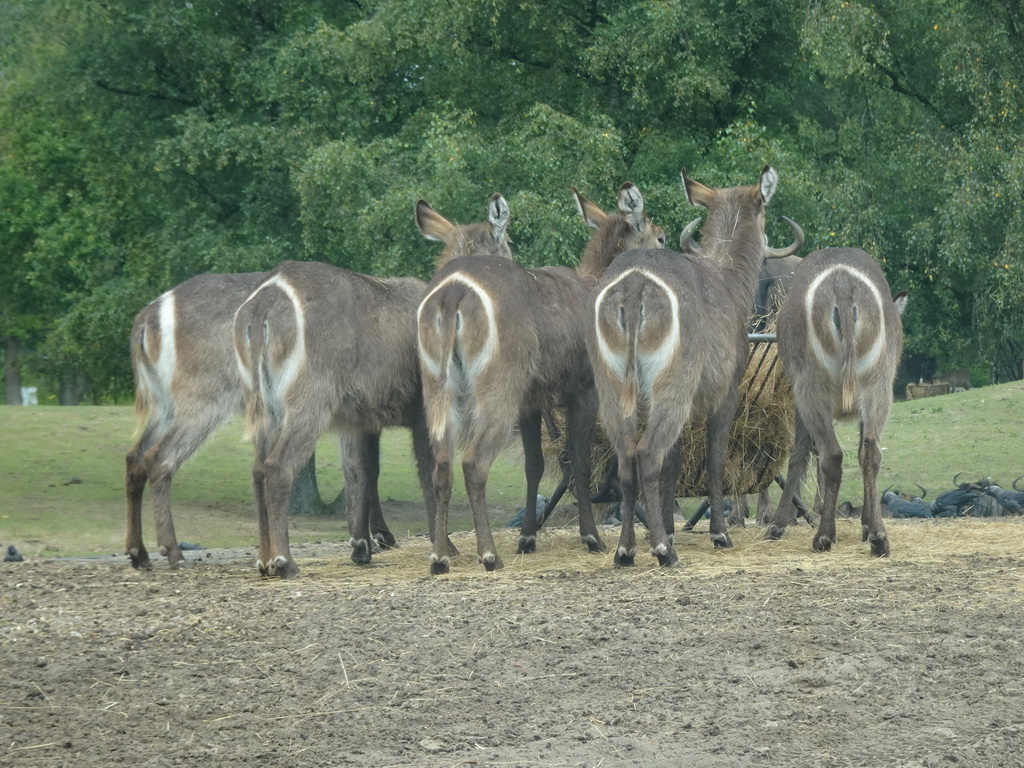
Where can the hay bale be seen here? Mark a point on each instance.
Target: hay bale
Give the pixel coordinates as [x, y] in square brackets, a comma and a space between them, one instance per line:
[759, 442]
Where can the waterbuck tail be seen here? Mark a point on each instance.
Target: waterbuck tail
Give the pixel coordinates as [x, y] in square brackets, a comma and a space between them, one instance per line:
[848, 345]
[254, 362]
[147, 398]
[630, 375]
[443, 406]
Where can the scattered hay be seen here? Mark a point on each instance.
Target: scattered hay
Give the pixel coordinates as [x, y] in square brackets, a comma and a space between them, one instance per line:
[560, 554]
[759, 442]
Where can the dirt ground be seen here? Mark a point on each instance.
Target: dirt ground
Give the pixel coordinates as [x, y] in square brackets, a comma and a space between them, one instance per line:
[764, 655]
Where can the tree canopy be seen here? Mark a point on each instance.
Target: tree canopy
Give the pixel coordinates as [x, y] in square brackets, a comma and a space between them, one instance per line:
[144, 142]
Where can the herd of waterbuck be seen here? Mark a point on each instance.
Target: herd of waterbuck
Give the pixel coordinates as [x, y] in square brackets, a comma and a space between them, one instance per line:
[640, 337]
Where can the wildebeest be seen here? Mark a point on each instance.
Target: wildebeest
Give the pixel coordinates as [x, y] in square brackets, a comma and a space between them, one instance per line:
[840, 338]
[1011, 501]
[498, 345]
[320, 348]
[668, 342]
[903, 508]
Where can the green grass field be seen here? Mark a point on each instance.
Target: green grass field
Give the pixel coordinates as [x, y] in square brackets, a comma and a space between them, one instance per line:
[62, 473]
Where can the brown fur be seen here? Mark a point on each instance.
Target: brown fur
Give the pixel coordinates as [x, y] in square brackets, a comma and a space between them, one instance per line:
[180, 406]
[324, 348]
[850, 312]
[533, 324]
[684, 317]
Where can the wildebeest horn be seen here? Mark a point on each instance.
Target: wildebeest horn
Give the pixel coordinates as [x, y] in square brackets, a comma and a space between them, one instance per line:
[686, 241]
[924, 491]
[796, 245]
[955, 485]
[1014, 484]
[886, 491]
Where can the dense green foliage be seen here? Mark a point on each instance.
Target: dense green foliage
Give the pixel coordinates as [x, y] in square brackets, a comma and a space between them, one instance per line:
[144, 142]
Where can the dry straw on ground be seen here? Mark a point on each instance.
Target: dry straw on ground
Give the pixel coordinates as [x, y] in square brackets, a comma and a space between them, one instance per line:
[759, 442]
[561, 555]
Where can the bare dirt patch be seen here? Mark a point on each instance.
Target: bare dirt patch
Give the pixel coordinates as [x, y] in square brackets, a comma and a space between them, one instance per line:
[763, 655]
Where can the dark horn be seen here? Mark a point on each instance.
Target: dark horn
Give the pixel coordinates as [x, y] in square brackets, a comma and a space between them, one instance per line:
[796, 245]
[955, 484]
[1014, 484]
[924, 491]
[686, 241]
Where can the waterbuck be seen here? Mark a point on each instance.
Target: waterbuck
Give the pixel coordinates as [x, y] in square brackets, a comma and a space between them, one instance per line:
[840, 338]
[319, 348]
[186, 385]
[669, 342]
[498, 345]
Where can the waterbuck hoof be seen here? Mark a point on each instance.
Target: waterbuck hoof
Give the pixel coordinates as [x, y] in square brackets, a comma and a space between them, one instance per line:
[385, 539]
[527, 545]
[361, 551]
[776, 532]
[491, 561]
[438, 565]
[594, 543]
[822, 544]
[880, 545]
[282, 568]
[721, 540]
[667, 556]
[140, 559]
[625, 557]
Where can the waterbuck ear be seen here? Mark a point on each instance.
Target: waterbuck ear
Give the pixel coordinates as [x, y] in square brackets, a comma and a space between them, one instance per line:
[498, 214]
[696, 193]
[631, 203]
[769, 183]
[432, 224]
[589, 212]
[900, 300]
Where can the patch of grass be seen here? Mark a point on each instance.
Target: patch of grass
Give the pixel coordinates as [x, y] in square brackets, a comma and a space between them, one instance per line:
[62, 473]
[62, 485]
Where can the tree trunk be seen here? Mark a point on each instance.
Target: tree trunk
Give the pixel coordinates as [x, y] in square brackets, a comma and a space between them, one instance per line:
[12, 370]
[71, 389]
[305, 499]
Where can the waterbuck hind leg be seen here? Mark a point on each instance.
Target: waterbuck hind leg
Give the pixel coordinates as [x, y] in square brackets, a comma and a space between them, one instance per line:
[582, 415]
[361, 464]
[440, 554]
[529, 428]
[871, 513]
[379, 531]
[785, 513]
[649, 468]
[740, 511]
[764, 507]
[135, 484]
[830, 474]
[294, 446]
[476, 466]
[669, 482]
[625, 551]
[424, 453]
[719, 424]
